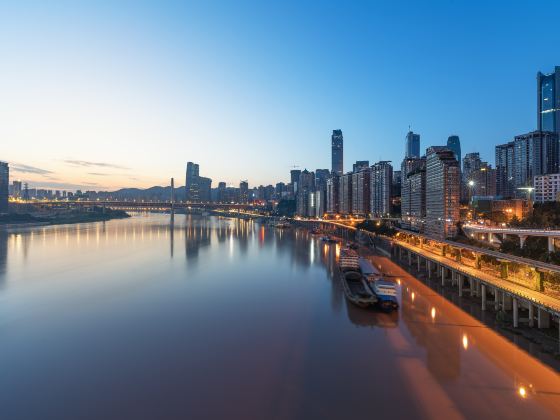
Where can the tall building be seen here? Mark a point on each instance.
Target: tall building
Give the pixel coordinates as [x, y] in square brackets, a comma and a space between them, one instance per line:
[380, 184]
[548, 101]
[361, 191]
[321, 176]
[359, 165]
[412, 145]
[333, 194]
[442, 192]
[535, 153]
[454, 144]
[294, 179]
[345, 194]
[16, 188]
[244, 192]
[306, 185]
[337, 150]
[192, 187]
[482, 182]
[221, 193]
[413, 198]
[504, 170]
[4, 186]
[205, 189]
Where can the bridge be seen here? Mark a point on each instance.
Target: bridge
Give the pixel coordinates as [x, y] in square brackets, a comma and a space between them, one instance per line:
[479, 232]
[146, 205]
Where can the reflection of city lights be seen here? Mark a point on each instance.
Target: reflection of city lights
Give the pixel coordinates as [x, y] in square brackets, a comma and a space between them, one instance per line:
[433, 313]
[522, 392]
[465, 341]
[399, 281]
[412, 296]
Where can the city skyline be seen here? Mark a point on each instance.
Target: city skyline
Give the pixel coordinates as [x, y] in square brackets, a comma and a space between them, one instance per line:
[105, 116]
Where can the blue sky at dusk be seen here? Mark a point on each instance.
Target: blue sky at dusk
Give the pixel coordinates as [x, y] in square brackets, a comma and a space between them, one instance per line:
[103, 95]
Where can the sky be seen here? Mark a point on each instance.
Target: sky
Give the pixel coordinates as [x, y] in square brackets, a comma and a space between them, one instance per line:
[108, 94]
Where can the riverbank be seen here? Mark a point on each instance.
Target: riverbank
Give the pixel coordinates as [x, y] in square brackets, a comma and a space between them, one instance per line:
[19, 220]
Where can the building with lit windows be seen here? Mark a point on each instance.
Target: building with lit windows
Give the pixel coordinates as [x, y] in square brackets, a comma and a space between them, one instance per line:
[442, 192]
[381, 184]
[337, 151]
[4, 186]
[547, 188]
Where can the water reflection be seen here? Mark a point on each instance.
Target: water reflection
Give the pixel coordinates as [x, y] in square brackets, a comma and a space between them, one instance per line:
[261, 304]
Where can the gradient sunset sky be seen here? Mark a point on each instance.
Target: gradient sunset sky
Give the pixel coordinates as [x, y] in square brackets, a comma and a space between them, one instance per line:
[103, 95]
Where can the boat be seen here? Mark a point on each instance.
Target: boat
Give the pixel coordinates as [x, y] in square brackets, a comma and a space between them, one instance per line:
[356, 289]
[348, 260]
[283, 225]
[384, 290]
[386, 294]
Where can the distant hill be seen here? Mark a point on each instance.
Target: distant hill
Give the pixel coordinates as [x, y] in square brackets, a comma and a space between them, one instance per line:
[156, 193]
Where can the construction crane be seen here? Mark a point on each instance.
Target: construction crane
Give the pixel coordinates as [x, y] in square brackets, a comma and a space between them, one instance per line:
[294, 166]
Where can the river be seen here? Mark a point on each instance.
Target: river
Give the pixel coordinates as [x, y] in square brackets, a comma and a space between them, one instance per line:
[212, 317]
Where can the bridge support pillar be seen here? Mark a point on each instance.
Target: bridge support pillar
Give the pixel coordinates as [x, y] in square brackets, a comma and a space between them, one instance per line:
[409, 258]
[543, 319]
[531, 315]
[442, 275]
[471, 286]
[483, 292]
[506, 302]
[459, 279]
[551, 244]
[522, 239]
[515, 314]
[429, 268]
[496, 299]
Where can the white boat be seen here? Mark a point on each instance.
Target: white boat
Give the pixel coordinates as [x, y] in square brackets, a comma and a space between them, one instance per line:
[385, 290]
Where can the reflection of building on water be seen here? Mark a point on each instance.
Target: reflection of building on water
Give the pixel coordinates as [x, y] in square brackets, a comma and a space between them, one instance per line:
[3, 254]
[443, 344]
[198, 233]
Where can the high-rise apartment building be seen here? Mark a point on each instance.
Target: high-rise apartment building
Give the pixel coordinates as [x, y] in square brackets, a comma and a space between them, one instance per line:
[548, 101]
[547, 188]
[412, 145]
[361, 192]
[306, 185]
[337, 150]
[535, 153]
[442, 192]
[4, 186]
[381, 183]
[505, 186]
[333, 194]
[345, 194]
[244, 192]
[294, 179]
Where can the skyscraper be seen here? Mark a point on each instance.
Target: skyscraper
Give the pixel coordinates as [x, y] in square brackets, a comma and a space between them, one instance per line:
[548, 101]
[337, 150]
[4, 186]
[333, 194]
[504, 170]
[412, 145]
[380, 184]
[535, 153]
[192, 187]
[454, 144]
[294, 179]
[306, 185]
[243, 192]
[442, 192]
[361, 191]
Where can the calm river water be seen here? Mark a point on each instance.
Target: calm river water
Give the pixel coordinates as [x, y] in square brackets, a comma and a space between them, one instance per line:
[224, 318]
